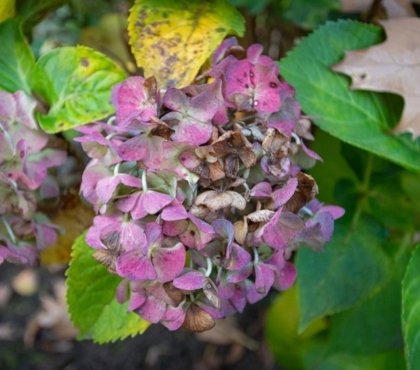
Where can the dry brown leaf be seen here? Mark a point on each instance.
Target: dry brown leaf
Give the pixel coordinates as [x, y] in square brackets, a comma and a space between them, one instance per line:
[227, 332]
[53, 316]
[393, 66]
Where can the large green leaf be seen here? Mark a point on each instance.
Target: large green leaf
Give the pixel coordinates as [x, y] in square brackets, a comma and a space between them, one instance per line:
[172, 39]
[350, 269]
[411, 311]
[361, 118]
[281, 330]
[16, 58]
[76, 82]
[91, 299]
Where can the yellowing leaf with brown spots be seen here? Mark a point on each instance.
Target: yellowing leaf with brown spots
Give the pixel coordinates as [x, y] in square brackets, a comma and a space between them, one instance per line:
[171, 39]
[73, 218]
[392, 66]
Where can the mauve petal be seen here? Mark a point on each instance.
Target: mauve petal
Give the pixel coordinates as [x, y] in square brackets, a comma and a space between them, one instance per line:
[135, 266]
[137, 299]
[152, 310]
[122, 293]
[281, 229]
[240, 275]
[106, 188]
[129, 180]
[252, 295]
[175, 99]
[173, 318]
[310, 153]
[264, 278]
[191, 280]
[286, 278]
[335, 211]
[261, 190]
[169, 262]
[174, 228]
[192, 132]
[154, 201]
[201, 225]
[282, 195]
[239, 258]
[153, 233]
[221, 50]
[253, 53]
[133, 237]
[128, 203]
[174, 212]
[238, 299]
[133, 149]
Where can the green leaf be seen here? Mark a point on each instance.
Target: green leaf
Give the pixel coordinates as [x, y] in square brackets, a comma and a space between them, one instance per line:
[374, 326]
[390, 360]
[332, 169]
[16, 58]
[76, 82]
[350, 269]
[172, 39]
[281, 330]
[308, 13]
[91, 299]
[361, 118]
[411, 311]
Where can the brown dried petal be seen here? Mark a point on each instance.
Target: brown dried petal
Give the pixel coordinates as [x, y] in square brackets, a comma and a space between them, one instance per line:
[238, 201]
[106, 258]
[263, 215]
[175, 294]
[197, 320]
[306, 190]
[275, 144]
[216, 171]
[210, 292]
[241, 230]
[214, 200]
[248, 157]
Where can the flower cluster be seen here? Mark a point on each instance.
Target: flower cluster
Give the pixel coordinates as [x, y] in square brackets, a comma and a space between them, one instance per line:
[24, 181]
[199, 192]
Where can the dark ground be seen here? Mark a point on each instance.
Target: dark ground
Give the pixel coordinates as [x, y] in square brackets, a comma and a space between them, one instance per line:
[156, 349]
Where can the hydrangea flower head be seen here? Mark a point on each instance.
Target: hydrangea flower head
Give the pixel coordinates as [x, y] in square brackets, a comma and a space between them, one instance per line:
[200, 192]
[25, 161]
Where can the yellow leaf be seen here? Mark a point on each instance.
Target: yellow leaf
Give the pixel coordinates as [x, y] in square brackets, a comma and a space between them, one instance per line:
[171, 40]
[73, 218]
[7, 9]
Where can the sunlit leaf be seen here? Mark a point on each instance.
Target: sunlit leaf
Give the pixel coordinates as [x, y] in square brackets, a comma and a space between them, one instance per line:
[172, 39]
[76, 83]
[7, 9]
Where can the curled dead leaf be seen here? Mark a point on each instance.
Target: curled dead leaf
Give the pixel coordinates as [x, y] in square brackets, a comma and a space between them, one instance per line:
[215, 200]
[392, 66]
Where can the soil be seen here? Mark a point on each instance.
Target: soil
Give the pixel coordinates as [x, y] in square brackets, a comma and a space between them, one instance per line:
[156, 349]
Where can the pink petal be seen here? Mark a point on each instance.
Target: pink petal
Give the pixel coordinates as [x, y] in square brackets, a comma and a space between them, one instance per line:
[169, 262]
[152, 310]
[191, 280]
[174, 212]
[282, 195]
[135, 266]
[154, 201]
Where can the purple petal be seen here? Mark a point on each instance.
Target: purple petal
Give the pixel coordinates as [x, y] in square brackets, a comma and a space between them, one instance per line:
[286, 278]
[174, 212]
[169, 262]
[281, 229]
[135, 266]
[191, 280]
[264, 278]
[153, 310]
[133, 149]
[262, 190]
[282, 195]
[132, 237]
[173, 318]
[153, 201]
[137, 299]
